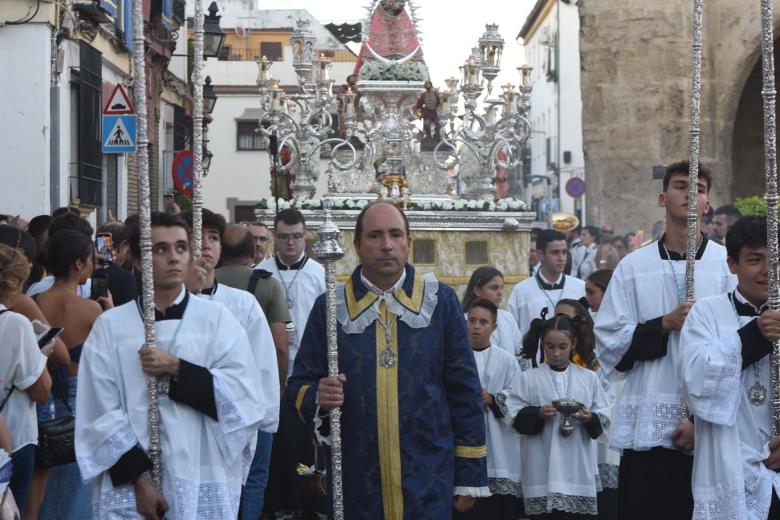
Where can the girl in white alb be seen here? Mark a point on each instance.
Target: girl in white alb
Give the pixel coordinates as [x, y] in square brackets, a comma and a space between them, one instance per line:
[559, 472]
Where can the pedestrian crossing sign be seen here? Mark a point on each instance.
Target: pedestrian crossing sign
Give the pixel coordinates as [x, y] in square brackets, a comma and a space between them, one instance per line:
[119, 133]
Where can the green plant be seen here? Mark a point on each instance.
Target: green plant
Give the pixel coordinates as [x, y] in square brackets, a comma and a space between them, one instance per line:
[378, 71]
[755, 205]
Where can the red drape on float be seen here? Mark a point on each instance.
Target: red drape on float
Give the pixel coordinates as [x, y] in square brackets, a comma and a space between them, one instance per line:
[391, 36]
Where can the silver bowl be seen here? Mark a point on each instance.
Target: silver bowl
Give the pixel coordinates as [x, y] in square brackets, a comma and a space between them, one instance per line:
[567, 407]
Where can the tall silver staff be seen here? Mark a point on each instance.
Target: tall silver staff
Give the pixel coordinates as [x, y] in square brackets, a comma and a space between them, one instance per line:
[328, 250]
[770, 171]
[144, 213]
[197, 130]
[693, 149]
[694, 131]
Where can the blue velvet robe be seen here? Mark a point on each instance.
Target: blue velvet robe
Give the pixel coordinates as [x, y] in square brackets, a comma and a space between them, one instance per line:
[413, 431]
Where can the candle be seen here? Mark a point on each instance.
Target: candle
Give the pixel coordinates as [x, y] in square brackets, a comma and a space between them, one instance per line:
[349, 102]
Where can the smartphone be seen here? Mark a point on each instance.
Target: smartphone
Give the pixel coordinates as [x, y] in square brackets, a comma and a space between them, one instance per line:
[99, 284]
[49, 335]
[103, 244]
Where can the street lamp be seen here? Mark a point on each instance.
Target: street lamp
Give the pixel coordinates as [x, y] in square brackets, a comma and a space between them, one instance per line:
[209, 97]
[213, 37]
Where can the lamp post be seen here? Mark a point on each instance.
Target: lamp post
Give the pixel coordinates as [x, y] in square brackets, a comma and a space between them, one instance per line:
[213, 37]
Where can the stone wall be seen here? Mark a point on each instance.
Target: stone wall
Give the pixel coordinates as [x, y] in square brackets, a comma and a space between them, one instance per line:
[635, 59]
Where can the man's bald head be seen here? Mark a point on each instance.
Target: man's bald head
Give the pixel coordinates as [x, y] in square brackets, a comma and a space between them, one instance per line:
[238, 246]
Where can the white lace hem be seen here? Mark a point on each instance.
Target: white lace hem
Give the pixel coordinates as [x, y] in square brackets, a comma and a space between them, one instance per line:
[466, 491]
[608, 474]
[505, 486]
[566, 503]
[186, 500]
[641, 424]
[108, 452]
[722, 502]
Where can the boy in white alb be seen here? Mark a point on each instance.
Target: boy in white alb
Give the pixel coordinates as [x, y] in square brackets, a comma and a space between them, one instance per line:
[548, 286]
[638, 340]
[244, 307]
[498, 371]
[725, 363]
[209, 405]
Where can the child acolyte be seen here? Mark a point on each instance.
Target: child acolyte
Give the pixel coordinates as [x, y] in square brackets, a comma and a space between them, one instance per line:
[559, 473]
[497, 369]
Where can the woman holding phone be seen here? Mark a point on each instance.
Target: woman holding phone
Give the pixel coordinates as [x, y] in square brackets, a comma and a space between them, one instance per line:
[24, 379]
[70, 256]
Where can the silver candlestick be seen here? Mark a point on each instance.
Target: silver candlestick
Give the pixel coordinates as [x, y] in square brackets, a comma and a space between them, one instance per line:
[328, 249]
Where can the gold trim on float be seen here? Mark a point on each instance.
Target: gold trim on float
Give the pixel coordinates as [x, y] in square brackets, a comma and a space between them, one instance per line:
[387, 421]
[299, 401]
[354, 307]
[471, 452]
[414, 303]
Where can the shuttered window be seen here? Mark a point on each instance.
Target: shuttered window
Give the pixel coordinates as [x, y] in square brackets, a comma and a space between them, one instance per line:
[90, 156]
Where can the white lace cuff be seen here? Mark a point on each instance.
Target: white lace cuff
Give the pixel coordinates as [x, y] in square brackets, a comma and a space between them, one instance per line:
[612, 350]
[465, 491]
[233, 426]
[107, 453]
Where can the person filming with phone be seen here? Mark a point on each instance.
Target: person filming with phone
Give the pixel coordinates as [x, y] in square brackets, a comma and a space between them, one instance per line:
[71, 260]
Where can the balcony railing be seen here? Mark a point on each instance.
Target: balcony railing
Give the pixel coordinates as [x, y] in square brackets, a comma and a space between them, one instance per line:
[241, 54]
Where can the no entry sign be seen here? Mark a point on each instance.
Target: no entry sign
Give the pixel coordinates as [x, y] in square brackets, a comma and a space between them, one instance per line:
[182, 171]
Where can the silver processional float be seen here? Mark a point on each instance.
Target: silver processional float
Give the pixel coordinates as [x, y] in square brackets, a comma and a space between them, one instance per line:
[770, 172]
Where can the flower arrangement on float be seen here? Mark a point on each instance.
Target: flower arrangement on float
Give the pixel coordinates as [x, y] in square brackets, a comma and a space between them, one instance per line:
[342, 203]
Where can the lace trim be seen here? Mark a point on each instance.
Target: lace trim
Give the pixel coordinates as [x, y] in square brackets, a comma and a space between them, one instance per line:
[505, 486]
[725, 388]
[566, 503]
[724, 502]
[642, 424]
[108, 452]
[524, 363]
[500, 400]
[611, 352]
[231, 421]
[758, 489]
[415, 321]
[608, 474]
[116, 504]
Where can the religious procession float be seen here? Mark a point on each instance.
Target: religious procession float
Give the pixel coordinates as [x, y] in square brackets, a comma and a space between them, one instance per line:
[446, 173]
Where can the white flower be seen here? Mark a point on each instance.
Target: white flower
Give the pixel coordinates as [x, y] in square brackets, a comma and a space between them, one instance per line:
[426, 206]
[516, 204]
[447, 205]
[472, 204]
[362, 204]
[460, 204]
[350, 203]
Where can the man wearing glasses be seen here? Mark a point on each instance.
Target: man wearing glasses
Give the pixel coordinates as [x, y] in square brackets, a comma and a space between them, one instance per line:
[262, 239]
[303, 280]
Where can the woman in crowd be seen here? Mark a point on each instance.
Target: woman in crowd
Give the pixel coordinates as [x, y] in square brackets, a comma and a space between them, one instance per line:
[606, 258]
[25, 379]
[488, 283]
[70, 257]
[595, 287]
[22, 303]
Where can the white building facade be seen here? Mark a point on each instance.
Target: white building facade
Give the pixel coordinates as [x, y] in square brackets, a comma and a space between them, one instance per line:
[551, 39]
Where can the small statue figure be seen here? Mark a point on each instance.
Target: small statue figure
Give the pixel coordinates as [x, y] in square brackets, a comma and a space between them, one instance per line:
[428, 108]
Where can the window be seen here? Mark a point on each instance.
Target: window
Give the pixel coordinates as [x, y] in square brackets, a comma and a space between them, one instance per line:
[248, 138]
[244, 213]
[424, 251]
[271, 50]
[477, 253]
[90, 155]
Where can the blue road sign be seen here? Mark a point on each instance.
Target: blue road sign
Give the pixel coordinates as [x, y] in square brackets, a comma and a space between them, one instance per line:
[119, 133]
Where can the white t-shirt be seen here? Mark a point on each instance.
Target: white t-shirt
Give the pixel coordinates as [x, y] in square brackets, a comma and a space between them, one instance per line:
[21, 364]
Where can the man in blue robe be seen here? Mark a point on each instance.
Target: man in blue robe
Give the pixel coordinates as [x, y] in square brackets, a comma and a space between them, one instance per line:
[413, 431]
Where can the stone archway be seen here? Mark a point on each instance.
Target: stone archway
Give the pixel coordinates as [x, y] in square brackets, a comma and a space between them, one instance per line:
[747, 158]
